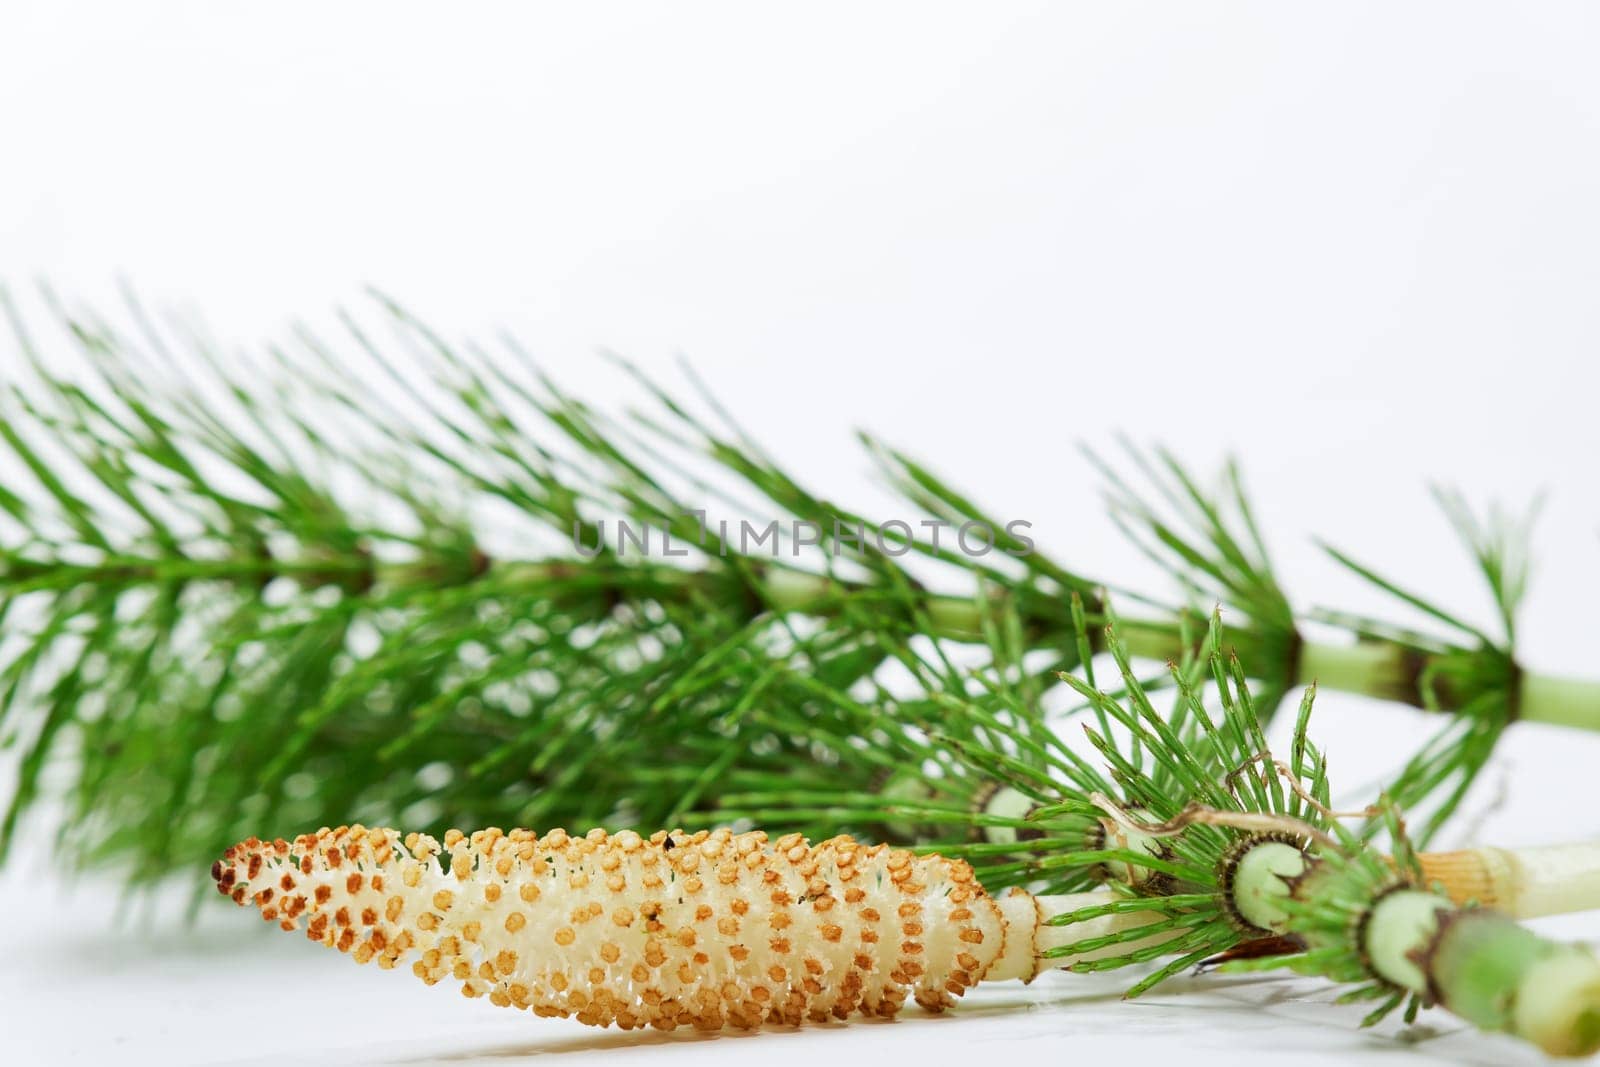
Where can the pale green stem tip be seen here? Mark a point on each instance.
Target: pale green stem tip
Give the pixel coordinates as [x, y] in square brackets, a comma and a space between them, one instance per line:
[1260, 883]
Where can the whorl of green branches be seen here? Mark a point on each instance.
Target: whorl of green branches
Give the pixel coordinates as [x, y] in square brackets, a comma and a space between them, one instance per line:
[308, 586]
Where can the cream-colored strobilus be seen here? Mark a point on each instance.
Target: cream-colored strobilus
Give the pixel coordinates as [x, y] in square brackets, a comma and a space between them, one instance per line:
[716, 929]
[708, 929]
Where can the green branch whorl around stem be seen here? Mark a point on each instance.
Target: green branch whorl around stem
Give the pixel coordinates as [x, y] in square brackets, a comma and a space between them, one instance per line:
[197, 576]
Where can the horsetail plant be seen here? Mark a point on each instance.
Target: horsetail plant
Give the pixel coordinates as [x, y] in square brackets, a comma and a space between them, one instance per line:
[1212, 545]
[964, 764]
[422, 621]
[1210, 845]
[1257, 857]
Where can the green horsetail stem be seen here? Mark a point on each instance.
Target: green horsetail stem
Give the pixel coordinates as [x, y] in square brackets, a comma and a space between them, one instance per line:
[1562, 701]
[1476, 963]
[1380, 669]
[1372, 667]
[1488, 970]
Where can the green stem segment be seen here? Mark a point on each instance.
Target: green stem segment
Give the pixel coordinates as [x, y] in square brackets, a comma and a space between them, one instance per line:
[1384, 670]
[1562, 701]
[1261, 883]
[1475, 963]
[1488, 970]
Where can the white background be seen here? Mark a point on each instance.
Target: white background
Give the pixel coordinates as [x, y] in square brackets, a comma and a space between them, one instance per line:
[1358, 245]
